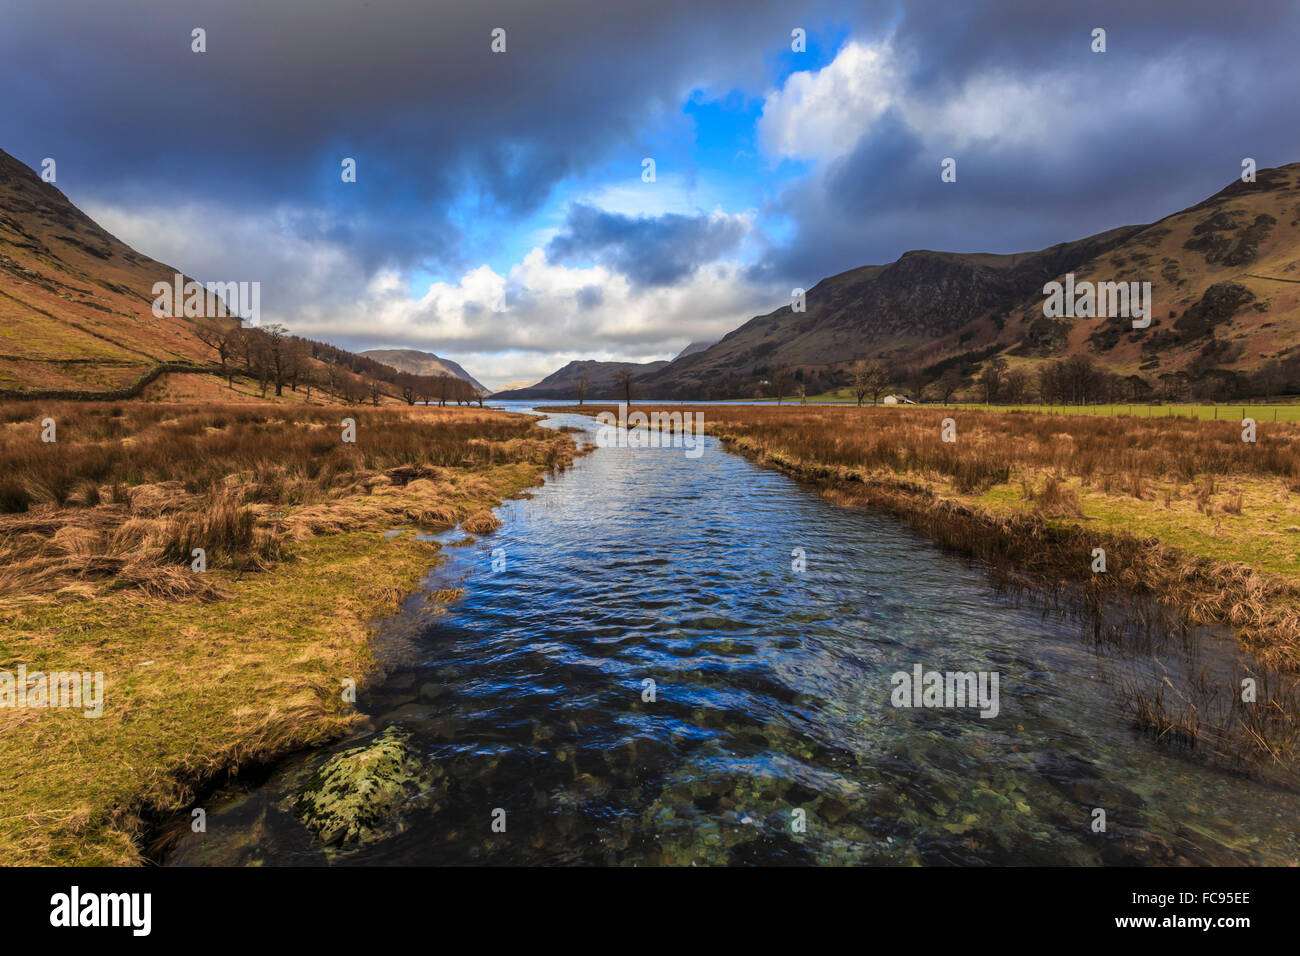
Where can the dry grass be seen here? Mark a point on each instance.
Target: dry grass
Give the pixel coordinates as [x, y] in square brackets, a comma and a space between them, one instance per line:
[989, 444]
[206, 673]
[481, 522]
[1201, 714]
[1055, 499]
[128, 492]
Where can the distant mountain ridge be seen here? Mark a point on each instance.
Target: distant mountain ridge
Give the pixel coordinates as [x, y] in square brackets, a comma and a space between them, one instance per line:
[518, 384]
[76, 308]
[423, 363]
[692, 349]
[601, 377]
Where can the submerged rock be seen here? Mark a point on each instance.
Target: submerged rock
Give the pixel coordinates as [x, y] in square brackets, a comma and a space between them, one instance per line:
[358, 796]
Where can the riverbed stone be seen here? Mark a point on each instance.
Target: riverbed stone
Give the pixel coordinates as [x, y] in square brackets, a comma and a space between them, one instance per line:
[359, 795]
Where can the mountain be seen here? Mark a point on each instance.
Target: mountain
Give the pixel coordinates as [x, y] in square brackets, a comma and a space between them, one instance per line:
[517, 385]
[1225, 284]
[692, 349]
[422, 363]
[1225, 278]
[76, 303]
[76, 321]
[601, 380]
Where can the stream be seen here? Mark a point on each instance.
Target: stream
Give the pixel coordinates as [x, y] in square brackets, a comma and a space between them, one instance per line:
[664, 658]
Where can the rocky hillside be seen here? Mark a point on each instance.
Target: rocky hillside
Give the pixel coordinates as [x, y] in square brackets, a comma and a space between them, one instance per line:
[1225, 278]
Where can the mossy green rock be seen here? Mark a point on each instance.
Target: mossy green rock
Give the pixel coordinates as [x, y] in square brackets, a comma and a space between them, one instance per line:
[359, 795]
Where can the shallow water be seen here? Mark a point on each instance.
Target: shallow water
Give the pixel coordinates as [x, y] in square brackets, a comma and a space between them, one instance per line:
[771, 704]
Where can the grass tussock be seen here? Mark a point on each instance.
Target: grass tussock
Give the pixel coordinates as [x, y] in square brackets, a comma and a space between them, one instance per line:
[481, 522]
[1055, 499]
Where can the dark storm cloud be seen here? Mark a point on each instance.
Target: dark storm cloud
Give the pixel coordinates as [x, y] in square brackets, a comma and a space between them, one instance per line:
[1026, 36]
[892, 153]
[407, 87]
[1161, 120]
[649, 250]
[449, 136]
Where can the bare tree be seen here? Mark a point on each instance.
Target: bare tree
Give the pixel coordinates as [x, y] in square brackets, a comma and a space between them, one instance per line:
[870, 377]
[1016, 385]
[296, 361]
[274, 344]
[1116, 387]
[245, 347]
[1174, 384]
[779, 382]
[223, 337]
[409, 385]
[623, 380]
[991, 378]
[462, 390]
[256, 353]
[333, 374]
[1051, 376]
[582, 384]
[915, 382]
[442, 389]
[948, 383]
[1083, 378]
[354, 389]
[426, 388]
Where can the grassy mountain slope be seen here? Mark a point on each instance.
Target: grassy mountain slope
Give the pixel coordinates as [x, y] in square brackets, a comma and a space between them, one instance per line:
[1225, 277]
[75, 303]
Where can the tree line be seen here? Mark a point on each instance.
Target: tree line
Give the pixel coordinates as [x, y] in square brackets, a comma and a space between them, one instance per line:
[276, 360]
[1076, 380]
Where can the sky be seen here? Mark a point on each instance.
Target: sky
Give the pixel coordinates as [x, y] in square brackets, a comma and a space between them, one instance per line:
[502, 214]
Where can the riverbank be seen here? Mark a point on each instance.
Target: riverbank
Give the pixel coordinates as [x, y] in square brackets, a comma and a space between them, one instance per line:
[1186, 512]
[206, 671]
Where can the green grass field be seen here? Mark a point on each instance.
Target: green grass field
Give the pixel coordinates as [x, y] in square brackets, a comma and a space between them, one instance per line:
[1233, 412]
[1227, 411]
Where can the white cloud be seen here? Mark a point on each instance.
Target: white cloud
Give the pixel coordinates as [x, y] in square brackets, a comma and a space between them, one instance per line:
[822, 114]
[212, 244]
[545, 322]
[316, 288]
[670, 193]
